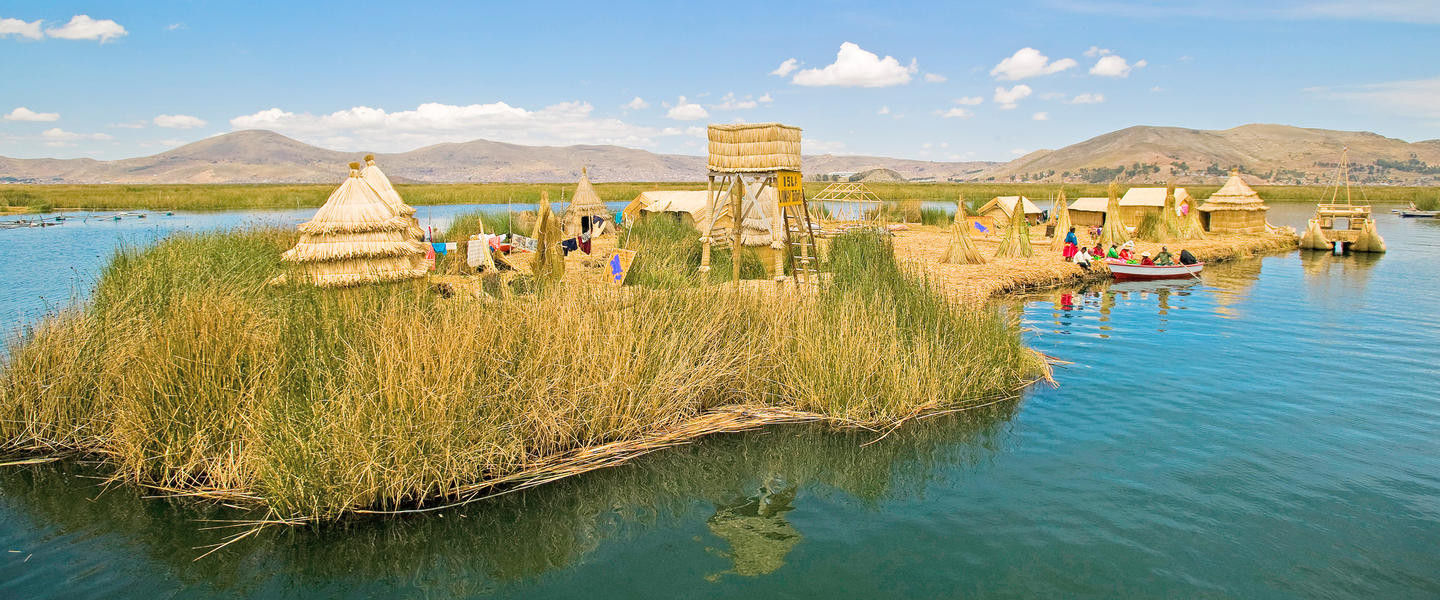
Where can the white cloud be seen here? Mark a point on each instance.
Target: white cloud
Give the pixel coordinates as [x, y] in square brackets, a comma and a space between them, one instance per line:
[1095, 51]
[884, 110]
[82, 27]
[174, 27]
[636, 103]
[969, 100]
[1009, 99]
[1028, 62]
[20, 28]
[766, 99]
[730, 102]
[934, 78]
[1087, 99]
[25, 114]
[59, 134]
[1040, 116]
[129, 125]
[955, 113]
[173, 143]
[786, 67]
[685, 110]
[823, 147]
[432, 123]
[1019, 152]
[1157, 89]
[178, 121]
[856, 67]
[1114, 66]
[1413, 98]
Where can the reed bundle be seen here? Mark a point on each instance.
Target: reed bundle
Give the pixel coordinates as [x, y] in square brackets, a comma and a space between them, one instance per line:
[1113, 233]
[1017, 235]
[549, 261]
[962, 250]
[1190, 226]
[1061, 218]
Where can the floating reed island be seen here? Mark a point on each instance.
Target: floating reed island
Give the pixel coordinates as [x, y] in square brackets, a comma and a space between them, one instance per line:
[213, 365]
[352, 367]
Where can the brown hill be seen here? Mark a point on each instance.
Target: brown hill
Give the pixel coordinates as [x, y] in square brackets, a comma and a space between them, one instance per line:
[1269, 153]
[268, 157]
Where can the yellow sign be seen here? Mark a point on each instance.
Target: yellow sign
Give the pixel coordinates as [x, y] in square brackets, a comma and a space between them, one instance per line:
[619, 265]
[787, 183]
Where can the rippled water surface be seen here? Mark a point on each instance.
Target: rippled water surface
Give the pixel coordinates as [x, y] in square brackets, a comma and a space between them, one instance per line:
[1267, 432]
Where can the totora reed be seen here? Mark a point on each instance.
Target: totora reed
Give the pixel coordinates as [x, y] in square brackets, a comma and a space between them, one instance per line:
[187, 373]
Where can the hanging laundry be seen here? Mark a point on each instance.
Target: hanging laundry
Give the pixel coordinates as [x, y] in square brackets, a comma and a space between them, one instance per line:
[451, 246]
[569, 245]
[439, 247]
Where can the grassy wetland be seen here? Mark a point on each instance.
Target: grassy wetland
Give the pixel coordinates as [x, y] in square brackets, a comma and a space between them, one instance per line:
[186, 372]
[42, 198]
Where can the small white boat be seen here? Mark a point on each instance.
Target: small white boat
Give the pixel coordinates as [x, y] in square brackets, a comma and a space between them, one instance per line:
[1124, 271]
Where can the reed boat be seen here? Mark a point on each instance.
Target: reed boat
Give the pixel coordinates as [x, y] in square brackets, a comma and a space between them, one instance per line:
[1125, 271]
[1408, 213]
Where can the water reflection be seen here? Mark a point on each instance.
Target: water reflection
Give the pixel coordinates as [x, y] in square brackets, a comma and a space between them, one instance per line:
[1071, 305]
[756, 529]
[1337, 281]
[747, 484]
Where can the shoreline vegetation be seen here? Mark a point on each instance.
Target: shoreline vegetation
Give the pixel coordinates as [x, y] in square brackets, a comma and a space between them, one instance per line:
[205, 197]
[187, 373]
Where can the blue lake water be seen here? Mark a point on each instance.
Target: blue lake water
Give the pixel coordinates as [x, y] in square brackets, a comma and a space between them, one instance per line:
[1267, 432]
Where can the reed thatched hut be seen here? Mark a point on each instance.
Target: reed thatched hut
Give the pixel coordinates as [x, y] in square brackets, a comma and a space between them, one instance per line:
[356, 237]
[377, 179]
[1234, 208]
[753, 148]
[1088, 212]
[586, 203]
[1000, 208]
[690, 207]
[1141, 202]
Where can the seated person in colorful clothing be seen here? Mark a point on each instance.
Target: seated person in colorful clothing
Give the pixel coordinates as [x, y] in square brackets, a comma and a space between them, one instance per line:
[1164, 258]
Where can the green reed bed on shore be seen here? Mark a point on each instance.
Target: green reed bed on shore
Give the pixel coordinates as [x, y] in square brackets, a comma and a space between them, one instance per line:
[188, 372]
[282, 196]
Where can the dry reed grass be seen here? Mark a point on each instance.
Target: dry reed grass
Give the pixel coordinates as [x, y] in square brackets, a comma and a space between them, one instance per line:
[189, 374]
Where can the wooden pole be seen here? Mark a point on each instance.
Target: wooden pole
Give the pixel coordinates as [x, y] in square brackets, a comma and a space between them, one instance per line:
[709, 229]
[737, 193]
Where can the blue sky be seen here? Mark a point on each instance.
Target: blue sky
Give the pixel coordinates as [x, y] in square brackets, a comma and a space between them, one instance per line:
[942, 81]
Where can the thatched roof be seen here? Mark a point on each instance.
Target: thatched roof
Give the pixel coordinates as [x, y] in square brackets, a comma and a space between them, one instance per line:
[585, 202]
[377, 179]
[753, 147]
[1234, 195]
[1150, 196]
[1090, 204]
[1006, 204]
[356, 238]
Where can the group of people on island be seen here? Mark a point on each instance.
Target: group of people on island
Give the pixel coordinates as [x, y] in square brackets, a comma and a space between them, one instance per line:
[1081, 256]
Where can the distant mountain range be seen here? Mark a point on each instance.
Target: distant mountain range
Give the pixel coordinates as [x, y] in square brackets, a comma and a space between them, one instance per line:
[1277, 154]
[268, 157]
[1265, 153]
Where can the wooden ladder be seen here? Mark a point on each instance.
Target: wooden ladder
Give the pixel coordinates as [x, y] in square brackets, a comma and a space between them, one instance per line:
[801, 255]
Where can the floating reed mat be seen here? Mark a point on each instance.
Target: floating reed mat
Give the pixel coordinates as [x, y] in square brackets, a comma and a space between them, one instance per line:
[187, 373]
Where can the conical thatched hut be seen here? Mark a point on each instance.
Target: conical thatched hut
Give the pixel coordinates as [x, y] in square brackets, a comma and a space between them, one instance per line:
[357, 238]
[1113, 233]
[1235, 208]
[1062, 222]
[377, 179]
[962, 250]
[586, 203]
[1017, 236]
